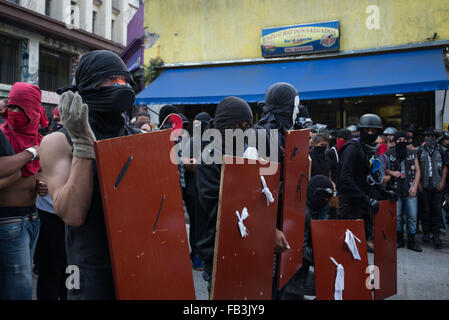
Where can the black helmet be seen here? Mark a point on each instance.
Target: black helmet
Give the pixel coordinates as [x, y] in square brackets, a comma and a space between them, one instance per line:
[390, 131]
[445, 135]
[352, 128]
[370, 120]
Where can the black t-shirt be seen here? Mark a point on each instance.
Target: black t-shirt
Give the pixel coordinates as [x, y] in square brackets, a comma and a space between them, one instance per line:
[5, 147]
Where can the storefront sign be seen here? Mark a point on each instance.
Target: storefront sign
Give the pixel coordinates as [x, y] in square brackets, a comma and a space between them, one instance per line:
[299, 39]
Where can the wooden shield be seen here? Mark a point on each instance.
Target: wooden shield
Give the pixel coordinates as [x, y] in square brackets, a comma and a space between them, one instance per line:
[328, 240]
[385, 255]
[296, 176]
[243, 266]
[144, 217]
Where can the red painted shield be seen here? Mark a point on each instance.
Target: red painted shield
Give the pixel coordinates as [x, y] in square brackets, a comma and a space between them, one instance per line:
[296, 177]
[328, 239]
[243, 266]
[144, 217]
[385, 251]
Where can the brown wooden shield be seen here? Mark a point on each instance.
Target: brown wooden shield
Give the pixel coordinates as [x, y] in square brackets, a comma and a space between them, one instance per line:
[296, 176]
[328, 240]
[144, 217]
[243, 266]
[385, 255]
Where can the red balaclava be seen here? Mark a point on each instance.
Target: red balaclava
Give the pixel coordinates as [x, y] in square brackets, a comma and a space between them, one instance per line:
[21, 129]
[340, 143]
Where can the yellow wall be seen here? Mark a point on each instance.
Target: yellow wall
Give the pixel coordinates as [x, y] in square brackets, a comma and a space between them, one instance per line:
[211, 30]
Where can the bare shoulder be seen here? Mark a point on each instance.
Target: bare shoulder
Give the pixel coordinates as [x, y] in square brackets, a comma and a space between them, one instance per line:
[54, 148]
[55, 144]
[55, 154]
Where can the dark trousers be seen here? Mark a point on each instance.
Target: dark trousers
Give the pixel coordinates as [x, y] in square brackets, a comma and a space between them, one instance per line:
[50, 258]
[190, 203]
[431, 211]
[356, 210]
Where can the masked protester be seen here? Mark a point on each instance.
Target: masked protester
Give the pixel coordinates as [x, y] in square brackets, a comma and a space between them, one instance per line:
[281, 111]
[319, 192]
[90, 110]
[232, 113]
[19, 187]
[320, 165]
[405, 172]
[333, 157]
[356, 193]
[191, 157]
[433, 162]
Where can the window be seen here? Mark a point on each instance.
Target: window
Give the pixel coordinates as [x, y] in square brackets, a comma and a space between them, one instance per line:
[94, 21]
[48, 8]
[9, 60]
[54, 69]
[113, 30]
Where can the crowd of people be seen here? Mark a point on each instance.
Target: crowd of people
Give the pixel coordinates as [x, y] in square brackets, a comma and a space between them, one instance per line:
[51, 213]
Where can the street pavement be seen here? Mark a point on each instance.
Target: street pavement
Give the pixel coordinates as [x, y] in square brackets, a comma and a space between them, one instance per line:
[421, 275]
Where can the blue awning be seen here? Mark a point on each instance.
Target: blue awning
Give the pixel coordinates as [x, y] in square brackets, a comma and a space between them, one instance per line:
[355, 76]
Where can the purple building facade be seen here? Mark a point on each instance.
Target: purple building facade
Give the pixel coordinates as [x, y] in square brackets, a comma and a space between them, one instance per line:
[133, 55]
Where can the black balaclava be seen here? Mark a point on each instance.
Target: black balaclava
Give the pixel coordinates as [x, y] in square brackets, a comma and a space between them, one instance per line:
[231, 111]
[204, 119]
[164, 112]
[401, 147]
[368, 139]
[317, 196]
[105, 104]
[280, 101]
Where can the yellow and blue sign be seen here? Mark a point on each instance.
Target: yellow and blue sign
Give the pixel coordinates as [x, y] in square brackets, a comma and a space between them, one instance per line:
[299, 39]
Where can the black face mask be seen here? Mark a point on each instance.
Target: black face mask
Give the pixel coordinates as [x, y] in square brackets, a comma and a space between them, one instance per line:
[319, 150]
[106, 106]
[401, 150]
[368, 139]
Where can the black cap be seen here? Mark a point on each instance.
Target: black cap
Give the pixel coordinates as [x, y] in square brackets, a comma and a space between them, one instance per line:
[343, 134]
[399, 134]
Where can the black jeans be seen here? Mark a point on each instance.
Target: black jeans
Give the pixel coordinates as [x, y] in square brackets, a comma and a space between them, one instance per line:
[353, 210]
[50, 258]
[431, 210]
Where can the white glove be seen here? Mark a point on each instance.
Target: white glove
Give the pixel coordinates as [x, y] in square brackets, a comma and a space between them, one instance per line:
[74, 117]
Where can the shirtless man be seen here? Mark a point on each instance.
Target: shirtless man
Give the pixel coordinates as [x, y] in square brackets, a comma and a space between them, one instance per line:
[90, 110]
[19, 185]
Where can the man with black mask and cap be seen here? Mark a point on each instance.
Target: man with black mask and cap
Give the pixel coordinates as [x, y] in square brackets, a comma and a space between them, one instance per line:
[433, 163]
[319, 192]
[91, 110]
[356, 193]
[405, 172]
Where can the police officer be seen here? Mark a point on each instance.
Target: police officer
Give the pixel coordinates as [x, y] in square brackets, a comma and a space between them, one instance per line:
[433, 162]
[356, 194]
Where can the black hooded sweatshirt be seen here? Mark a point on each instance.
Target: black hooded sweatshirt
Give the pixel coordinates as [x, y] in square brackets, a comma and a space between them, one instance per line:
[353, 170]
